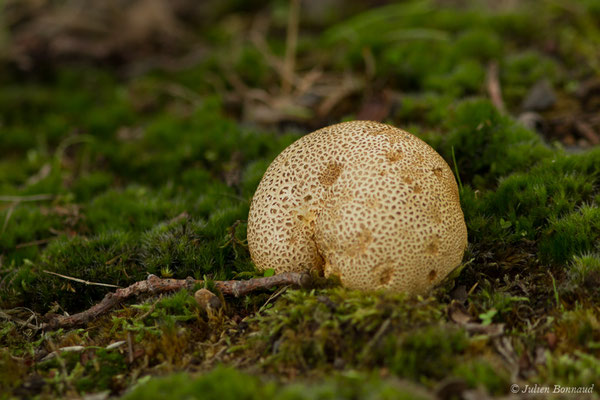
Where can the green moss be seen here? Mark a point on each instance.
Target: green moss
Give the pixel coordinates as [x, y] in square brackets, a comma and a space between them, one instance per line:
[413, 62]
[478, 43]
[575, 370]
[177, 246]
[498, 306]
[481, 374]
[91, 184]
[520, 71]
[537, 206]
[464, 79]
[529, 200]
[98, 372]
[226, 383]
[489, 145]
[251, 66]
[518, 26]
[128, 233]
[205, 139]
[342, 327]
[85, 98]
[101, 372]
[22, 226]
[11, 372]
[119, 257]
[579, 329]
[574, 234]
[583, 276]
[428, 108]
[154, 174]
[425, 354]
[106, 258]
[252, 176]
[221, 383]
[134, 209]
[158, 326]
[354, 386]
[180, 303]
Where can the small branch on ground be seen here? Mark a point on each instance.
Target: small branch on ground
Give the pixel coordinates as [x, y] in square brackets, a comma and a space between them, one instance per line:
[7, 218]
[32, 243]
[156, 285]
[493, 86]
[81, 280]
[587, 132]
[20, 199]
[289, 62]
[26, 324]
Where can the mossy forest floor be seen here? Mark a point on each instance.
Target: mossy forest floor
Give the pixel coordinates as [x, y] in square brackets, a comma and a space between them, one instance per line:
[133, 135]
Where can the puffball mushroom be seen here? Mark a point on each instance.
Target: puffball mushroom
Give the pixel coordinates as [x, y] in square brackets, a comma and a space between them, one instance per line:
[365, 201]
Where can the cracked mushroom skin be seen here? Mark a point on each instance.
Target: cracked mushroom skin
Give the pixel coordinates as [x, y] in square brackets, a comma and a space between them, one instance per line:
[365, 201]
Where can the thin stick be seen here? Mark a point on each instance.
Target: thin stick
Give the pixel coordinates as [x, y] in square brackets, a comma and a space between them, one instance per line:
[289, 62]
[27, 324]
[32, 243]
[456, 170]
[156, 285]
[35, 197]
[263, 48]
[493, 86]
[273, 297]
[7, 218]
[588, 132]
[81, 280]
[129, 347]
[384, 327]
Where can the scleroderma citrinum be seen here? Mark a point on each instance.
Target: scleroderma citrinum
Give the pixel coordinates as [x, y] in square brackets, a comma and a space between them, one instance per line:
[365, 201]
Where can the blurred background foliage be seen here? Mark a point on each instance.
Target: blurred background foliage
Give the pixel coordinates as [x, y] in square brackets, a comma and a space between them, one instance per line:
[133, 134]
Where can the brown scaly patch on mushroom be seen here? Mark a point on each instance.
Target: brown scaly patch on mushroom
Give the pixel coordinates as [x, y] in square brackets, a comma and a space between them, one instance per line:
[330, 173]
[432, 275]
[360, 246]
[394, 155]
[362, 200]
[433, 246]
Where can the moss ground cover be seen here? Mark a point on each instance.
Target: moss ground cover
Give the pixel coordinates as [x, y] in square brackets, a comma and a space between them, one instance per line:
[107, 175]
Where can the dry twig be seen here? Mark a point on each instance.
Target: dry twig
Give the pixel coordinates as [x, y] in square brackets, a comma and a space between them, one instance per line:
[289, 62]
[156, 285]
[81, 280]
[26, 324]
[32, 243]
[493, 86]
[588, 132]
[19, 199]
[7, 218]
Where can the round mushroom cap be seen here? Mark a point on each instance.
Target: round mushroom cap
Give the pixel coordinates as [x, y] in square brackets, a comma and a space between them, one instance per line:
[365, 201]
